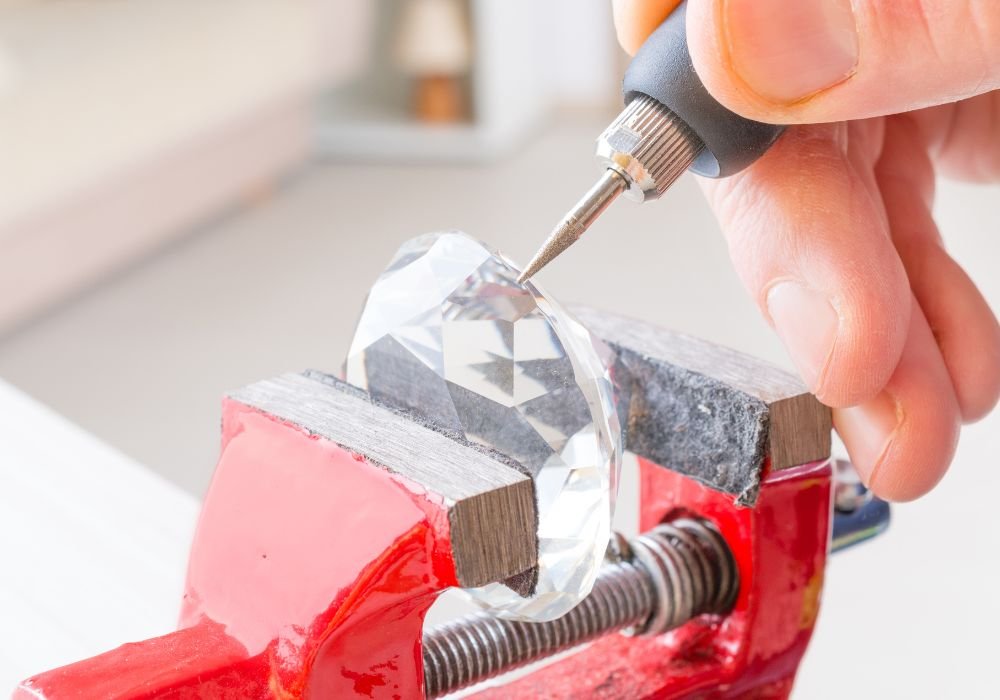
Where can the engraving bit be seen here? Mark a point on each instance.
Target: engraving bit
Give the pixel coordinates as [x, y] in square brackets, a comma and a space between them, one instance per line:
[670, 124]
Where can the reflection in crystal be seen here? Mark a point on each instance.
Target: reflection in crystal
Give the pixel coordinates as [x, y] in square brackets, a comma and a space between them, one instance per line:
[448, 333]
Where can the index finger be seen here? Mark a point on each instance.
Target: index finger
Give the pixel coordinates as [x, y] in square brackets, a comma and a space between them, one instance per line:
[636, 19]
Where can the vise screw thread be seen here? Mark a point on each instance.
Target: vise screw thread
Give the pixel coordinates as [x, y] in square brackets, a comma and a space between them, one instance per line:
[661, 580]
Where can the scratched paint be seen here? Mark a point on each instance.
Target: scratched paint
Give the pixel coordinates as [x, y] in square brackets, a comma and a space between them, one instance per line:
[310, 575]
[780, 547]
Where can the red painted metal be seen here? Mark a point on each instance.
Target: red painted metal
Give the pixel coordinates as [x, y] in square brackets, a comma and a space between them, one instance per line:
[312, 570]
[310, 575]
[780, 547]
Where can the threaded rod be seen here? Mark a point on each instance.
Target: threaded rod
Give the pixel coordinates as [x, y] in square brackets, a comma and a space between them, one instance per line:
[667, 576]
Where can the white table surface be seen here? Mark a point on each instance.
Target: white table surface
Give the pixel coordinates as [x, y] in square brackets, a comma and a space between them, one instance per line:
[93, 545]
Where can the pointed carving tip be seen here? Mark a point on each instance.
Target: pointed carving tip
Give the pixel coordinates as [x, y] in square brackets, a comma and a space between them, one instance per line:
[542, 258]
[559, 240]
[530, 271]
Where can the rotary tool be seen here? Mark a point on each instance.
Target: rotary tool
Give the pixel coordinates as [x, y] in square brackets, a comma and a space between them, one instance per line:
[670, 124]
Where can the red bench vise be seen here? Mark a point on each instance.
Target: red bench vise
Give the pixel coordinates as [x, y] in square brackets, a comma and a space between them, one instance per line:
[332, 524]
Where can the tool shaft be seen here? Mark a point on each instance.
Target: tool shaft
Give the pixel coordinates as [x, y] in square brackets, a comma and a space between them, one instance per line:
[578, 220]
[594, 202]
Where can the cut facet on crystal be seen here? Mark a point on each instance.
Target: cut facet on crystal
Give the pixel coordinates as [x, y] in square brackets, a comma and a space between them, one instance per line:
[449, 334]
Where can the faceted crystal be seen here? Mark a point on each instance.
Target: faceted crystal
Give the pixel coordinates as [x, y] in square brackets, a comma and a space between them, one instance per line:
[448, 333]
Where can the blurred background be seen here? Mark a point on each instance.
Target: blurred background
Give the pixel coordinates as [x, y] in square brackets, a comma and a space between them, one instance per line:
[197, 195]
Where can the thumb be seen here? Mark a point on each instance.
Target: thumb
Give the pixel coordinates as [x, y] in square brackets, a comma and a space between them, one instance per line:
[810, 61]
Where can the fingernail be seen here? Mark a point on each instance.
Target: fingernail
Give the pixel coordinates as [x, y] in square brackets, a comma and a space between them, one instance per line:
[868, 430]
[807, 324]
[786, 50]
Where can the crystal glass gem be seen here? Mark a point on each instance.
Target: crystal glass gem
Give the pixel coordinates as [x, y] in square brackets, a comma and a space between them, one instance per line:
[448, 333]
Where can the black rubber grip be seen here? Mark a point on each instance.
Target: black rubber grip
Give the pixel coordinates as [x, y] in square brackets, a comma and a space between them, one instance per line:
[663, 70]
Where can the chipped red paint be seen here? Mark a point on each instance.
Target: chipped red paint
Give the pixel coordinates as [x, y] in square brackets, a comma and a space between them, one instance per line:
[780, 547]
[309, 576]
[311, 572]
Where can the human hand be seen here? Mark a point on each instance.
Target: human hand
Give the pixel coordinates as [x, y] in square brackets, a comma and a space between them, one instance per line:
[831, 231]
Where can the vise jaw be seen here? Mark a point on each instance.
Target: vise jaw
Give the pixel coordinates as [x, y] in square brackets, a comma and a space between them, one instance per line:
[714, 414]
